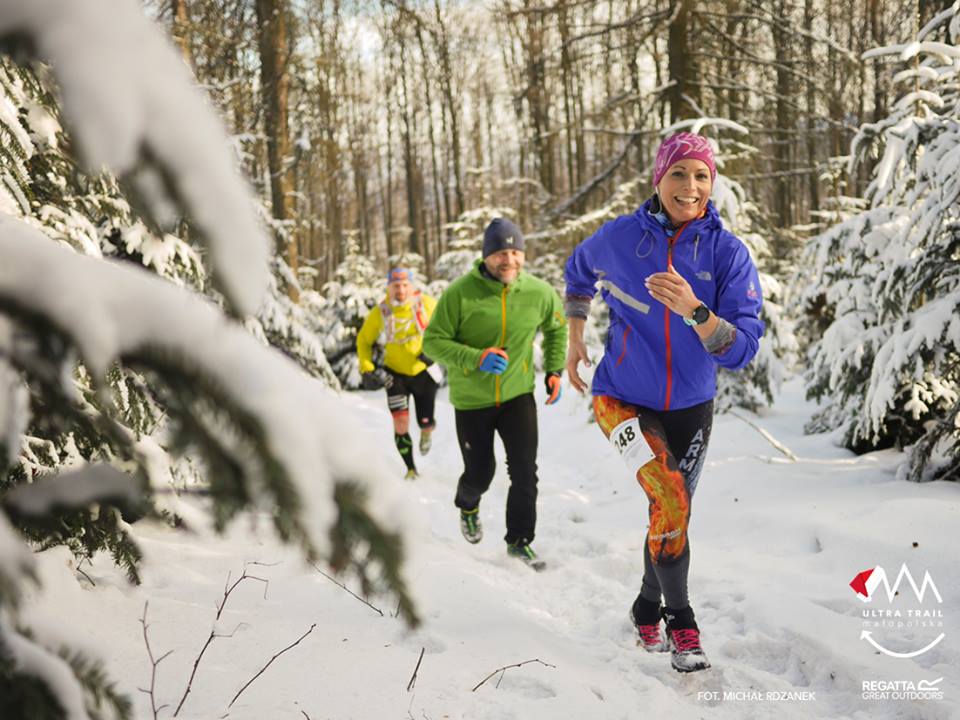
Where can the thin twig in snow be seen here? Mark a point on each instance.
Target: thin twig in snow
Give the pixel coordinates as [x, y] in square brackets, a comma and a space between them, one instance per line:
[80, 570]
[153, 664]
[340, 584]
[227, 589]
[413, 678]
[269, 662]
[769, 438]
[305, 715]
[503, 669]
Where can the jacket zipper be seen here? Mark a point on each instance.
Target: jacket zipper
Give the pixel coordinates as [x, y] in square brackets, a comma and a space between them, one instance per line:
[666, 320]
[503, 338]
[623, 351]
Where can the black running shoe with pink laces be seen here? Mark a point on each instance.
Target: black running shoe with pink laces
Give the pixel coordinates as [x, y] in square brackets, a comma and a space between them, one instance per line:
[645, 616]
[683, 638]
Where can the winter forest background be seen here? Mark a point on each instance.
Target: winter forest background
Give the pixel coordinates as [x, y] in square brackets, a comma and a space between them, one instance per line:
[166, 332]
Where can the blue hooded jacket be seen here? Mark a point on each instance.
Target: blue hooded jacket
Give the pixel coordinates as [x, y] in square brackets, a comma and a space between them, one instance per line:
[652, 358]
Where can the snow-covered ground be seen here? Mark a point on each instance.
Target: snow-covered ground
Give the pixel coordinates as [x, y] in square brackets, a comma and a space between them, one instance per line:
[775, 545]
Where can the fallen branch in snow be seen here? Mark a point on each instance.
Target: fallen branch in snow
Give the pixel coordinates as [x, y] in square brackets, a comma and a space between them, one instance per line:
[413, 678]
[769, 438]
[227, 589]
[153, 664]
[269, 662]
[503, 669]
[340, 584]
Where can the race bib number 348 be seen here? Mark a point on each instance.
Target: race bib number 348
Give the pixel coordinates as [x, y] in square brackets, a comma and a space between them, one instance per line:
[632, 446]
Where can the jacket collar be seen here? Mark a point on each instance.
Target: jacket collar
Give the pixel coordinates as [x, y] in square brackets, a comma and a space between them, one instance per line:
[481, 273]
[651, 216]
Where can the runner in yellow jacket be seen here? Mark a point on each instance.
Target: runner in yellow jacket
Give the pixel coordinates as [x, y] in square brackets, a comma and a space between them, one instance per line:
[402, 316]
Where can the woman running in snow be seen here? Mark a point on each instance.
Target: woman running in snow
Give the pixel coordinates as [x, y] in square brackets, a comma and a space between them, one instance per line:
[684, 298]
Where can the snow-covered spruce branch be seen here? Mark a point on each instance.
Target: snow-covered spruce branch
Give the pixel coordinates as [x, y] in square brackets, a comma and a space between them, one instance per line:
[168, 144]
[269, 663]
[502, 670]
[270, 433]
[227, 591]
[31, 675]
[71, 491]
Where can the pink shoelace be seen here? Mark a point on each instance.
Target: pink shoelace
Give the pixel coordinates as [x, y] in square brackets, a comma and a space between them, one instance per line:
[686, 640]
[649, 634]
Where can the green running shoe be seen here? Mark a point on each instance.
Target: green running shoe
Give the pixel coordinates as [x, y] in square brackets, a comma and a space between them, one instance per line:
[470, 525]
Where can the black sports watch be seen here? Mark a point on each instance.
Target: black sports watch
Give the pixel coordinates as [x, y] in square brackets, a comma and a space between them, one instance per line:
[699, 316]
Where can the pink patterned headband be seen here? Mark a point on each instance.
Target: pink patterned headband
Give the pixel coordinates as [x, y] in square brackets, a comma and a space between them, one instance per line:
[683, 146]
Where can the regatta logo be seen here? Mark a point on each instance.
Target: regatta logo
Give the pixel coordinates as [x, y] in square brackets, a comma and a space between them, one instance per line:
[865, 584]
[902, 690]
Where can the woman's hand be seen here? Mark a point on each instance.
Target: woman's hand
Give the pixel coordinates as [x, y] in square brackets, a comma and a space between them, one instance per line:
[672, 290]
[576, 353]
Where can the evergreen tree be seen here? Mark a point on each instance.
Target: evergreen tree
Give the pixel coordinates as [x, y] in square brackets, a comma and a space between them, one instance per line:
[886, 282]
[342, 307]
[94, 352]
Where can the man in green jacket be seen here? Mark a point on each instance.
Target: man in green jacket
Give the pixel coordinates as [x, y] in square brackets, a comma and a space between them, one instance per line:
[483, 331]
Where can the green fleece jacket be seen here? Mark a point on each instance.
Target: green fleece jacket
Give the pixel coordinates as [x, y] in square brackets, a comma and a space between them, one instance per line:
[477, 312]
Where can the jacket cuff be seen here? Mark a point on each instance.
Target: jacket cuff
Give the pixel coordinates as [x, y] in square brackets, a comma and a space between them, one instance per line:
[577, 306]
[721, 339]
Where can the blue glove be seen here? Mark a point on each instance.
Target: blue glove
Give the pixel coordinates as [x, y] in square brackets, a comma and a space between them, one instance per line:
[494, 361]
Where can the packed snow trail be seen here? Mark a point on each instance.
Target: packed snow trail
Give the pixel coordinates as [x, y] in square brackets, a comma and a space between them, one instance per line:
[774, 546]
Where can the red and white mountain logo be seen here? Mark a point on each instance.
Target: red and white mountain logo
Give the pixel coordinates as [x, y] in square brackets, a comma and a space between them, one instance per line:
[866, 583]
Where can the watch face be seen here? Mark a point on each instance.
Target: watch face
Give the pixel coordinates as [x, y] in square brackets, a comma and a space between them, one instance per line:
[701, 315]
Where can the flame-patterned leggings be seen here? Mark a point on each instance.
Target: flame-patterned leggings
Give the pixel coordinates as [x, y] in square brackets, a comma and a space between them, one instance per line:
[678, 439]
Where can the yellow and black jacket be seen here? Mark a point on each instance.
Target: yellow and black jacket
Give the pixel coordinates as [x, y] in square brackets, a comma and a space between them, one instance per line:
[403, 325]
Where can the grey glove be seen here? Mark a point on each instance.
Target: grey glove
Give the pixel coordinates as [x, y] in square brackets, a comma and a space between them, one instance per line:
[383, 377]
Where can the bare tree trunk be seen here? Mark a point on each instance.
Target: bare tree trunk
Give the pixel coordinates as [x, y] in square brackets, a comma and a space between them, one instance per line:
[781, 151]
[453, 108]
[681, 66]
[813, 181]
[568, 111]
[181, 29]
[386, 182]
[437, 181]
[274, 55]
[414, 177]
[538, 100]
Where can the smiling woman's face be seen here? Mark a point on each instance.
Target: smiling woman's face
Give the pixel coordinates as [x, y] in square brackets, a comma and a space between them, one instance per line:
[684, 190]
